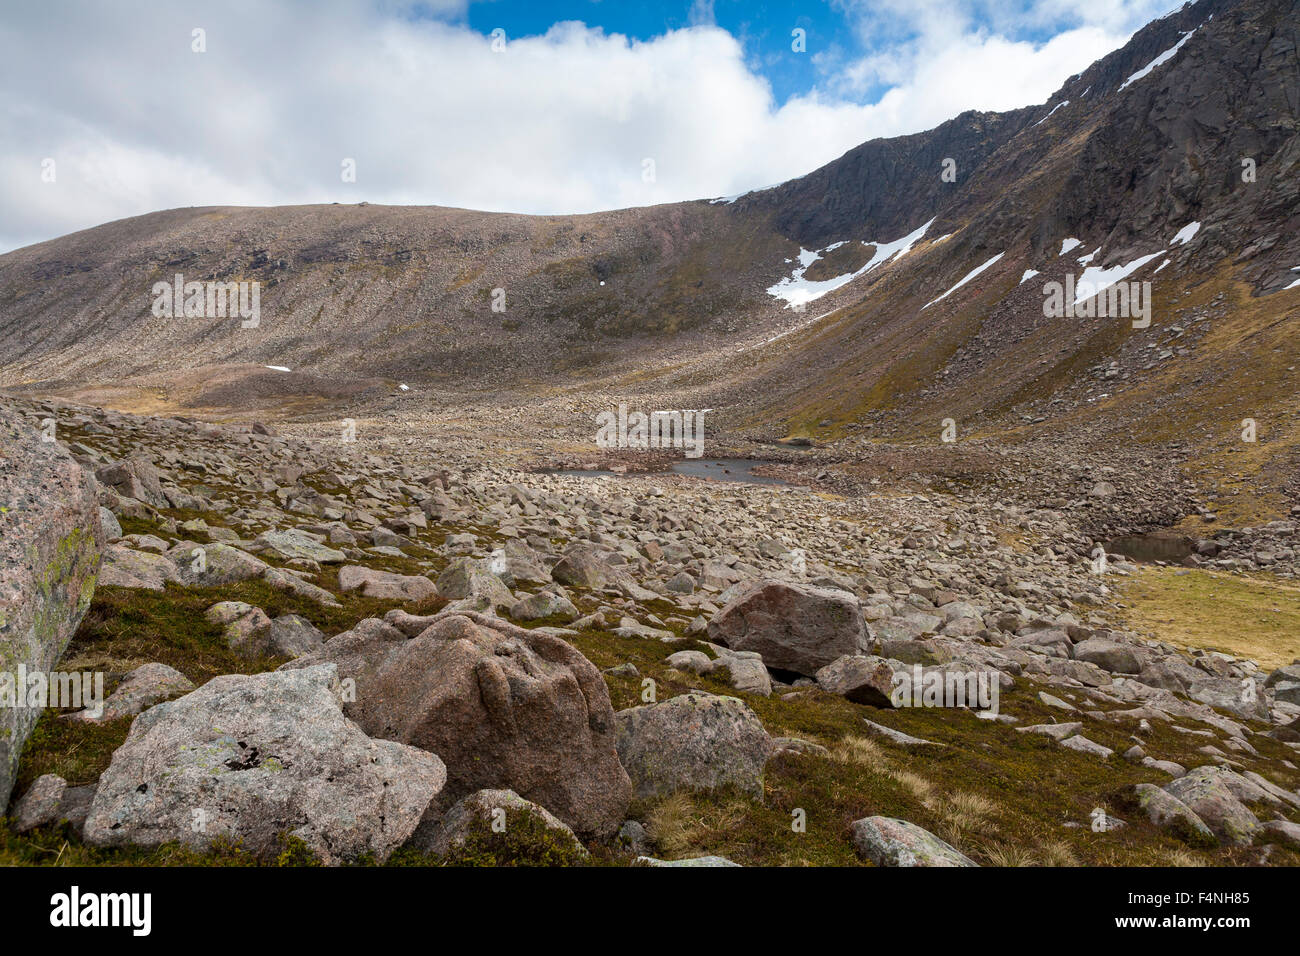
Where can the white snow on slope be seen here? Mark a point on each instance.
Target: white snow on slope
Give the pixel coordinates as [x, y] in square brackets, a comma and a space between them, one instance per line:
[277, 368]
[1294, 284]
[1090, 256]
[1068, 244]
[970, 275]
[1054, 109]
[1095, 279]
[1162, 58]
[727, 200]
[1029, 274]
[796, 290]
[1186, 233]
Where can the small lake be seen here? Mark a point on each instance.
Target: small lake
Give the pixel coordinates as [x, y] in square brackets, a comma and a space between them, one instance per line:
[726, 469]
[711, 469]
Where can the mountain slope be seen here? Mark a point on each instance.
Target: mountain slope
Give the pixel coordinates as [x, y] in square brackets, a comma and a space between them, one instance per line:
[921, 309]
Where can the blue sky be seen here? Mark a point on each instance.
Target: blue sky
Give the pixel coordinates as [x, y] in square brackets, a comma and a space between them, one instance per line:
[836, 31]
[566, 116]
[764, 28]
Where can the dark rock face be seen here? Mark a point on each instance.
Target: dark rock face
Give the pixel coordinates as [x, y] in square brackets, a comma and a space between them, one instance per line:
[51, 541]
[1156, 153]
[882, 189]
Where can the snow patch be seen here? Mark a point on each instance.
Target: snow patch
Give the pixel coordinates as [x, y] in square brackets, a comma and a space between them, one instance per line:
[277, 368]
[1186, 233]
[748, 192]
[1095, 279]
[796, 290]
[1054, 109]
[1029, 274]
[970, 275]
[1068, 244]
[1162, 58]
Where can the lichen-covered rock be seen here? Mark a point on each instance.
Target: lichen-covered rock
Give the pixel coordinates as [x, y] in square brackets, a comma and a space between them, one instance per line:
[385, 584]
[296, 543]
[292, 635]
[283, 580]
[693, 742]
[492, 810]
[51, 542]
[1168, 812]
[886, 841]
[145, 686]
[1108, 655]
[40, 804]
[544, 604]
[1206, 792]
[210, 565]
[466, 578]
[794, 627]
[125, 567]
[695, 861]
[1285, 683]
[860, 678]
[745, 671]
[246, 628]
[581, 566]
[503, 706]
[251, 758]
[134, 478]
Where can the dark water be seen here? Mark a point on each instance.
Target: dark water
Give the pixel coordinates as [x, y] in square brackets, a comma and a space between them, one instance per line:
[726, 469]
[579, 472]
[713, 469]
[1166, 546]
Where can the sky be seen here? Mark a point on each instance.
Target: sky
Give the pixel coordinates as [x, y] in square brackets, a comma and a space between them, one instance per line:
[116, 108]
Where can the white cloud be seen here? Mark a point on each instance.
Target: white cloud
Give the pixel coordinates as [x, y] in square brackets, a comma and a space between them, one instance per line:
[136, 121]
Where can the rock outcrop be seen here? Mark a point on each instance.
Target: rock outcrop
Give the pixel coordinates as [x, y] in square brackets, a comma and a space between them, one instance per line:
[693, 742]
[252, 759]
[51, 542]
[795, 627]
[504, 707]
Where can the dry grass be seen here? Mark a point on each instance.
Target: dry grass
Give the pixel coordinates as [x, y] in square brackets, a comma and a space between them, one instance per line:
[1256, 617]
[920, 788]
[963, 815]
[678, 824]
[1055, 853]
[1008, 855]
[860, 751]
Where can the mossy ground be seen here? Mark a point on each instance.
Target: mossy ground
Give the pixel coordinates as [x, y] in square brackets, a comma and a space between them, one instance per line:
[1001, 797]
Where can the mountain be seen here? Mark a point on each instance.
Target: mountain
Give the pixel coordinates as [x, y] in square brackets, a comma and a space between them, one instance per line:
[1174, 160]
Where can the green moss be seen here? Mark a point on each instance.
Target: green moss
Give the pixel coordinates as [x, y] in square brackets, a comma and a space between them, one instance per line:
[59, 845]
[527, 841]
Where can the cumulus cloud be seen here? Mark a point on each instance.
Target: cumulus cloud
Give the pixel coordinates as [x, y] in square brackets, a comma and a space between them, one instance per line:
[572, 121]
